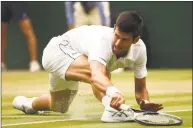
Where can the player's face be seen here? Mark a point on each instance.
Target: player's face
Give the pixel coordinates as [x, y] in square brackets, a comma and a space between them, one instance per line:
[121, 42]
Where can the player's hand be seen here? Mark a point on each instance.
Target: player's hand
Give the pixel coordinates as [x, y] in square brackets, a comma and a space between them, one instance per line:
[148, 106]
[116, 100]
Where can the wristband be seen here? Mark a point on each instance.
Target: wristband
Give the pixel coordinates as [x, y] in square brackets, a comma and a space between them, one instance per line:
[146, 101]
[112, 90]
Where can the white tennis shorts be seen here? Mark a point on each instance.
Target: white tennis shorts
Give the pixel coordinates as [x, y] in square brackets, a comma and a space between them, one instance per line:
[57, 57]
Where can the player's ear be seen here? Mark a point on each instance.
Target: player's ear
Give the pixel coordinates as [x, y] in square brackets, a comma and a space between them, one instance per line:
[136, 39]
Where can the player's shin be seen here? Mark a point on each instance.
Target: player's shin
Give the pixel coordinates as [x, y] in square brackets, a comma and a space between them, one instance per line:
[42, 103]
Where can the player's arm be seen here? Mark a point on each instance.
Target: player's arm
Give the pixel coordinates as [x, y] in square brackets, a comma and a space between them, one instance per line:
[102, 83]
[99, 76]
[142, 96]
[97, 58]
[141, 92]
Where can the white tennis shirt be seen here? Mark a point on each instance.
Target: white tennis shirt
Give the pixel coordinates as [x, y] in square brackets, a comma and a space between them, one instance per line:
[96, 43]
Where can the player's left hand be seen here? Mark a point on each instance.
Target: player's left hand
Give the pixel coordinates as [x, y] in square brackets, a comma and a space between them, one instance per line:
[148, 106]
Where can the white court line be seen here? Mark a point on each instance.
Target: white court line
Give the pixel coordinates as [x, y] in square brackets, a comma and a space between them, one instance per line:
[183, 110]
[51, 121]
[45, 116]
[32, 116]
[38, 122]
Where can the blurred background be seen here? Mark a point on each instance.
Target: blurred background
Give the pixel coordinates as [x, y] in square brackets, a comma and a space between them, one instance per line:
[167, 31]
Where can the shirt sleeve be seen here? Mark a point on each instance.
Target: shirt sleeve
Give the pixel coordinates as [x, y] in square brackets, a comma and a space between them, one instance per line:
[140, 69]
[69, 9]
[101, 52]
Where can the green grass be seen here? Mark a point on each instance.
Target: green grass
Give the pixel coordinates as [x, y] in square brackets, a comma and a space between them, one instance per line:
[175, 96]
[162, 74]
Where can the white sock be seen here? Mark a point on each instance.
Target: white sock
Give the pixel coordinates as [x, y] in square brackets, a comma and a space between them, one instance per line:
[106, 101]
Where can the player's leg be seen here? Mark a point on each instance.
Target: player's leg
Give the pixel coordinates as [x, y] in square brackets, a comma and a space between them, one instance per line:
[62, 91]
[57, 101]
[42, 103]
[62, 88]
[66, 70]
[61, 96]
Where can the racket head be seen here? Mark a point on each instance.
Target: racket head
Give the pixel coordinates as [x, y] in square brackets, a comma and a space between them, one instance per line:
[157, 119]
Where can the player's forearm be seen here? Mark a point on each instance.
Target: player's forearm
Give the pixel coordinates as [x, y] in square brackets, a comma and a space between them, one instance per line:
[142, 94]
[101, 82]
[141, 91]
[100, 79]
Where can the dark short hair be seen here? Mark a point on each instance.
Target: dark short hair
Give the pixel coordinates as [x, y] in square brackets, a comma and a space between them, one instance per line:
[130, 22]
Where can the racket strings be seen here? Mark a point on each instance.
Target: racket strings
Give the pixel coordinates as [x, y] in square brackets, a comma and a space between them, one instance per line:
[157, 119]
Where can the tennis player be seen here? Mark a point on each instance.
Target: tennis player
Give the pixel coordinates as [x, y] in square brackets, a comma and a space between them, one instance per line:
[88, 54]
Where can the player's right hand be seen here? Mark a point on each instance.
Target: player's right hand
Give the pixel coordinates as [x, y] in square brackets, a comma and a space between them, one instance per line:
[148, 106]
[116, 100]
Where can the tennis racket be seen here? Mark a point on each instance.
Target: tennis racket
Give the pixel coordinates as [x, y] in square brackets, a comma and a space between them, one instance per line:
[152, 118]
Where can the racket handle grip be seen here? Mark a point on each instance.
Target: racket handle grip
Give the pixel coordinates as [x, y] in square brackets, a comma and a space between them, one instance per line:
[124, 107]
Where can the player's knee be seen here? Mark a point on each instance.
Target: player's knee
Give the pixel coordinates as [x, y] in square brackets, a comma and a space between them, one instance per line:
[61, 100]
[61, 110]
[59, 107]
